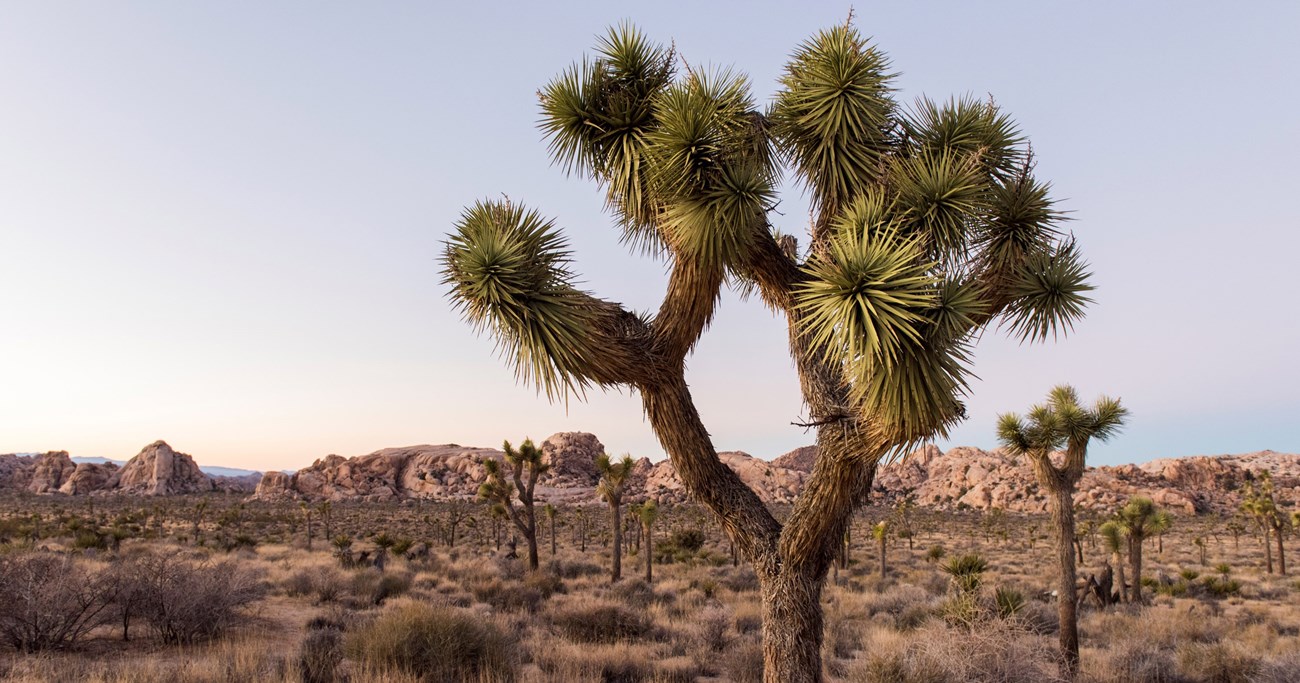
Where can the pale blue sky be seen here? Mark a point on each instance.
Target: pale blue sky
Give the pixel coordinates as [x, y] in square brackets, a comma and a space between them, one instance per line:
[219, 222]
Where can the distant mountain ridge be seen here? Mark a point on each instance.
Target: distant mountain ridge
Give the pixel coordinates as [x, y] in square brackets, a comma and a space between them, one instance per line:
[961, 477]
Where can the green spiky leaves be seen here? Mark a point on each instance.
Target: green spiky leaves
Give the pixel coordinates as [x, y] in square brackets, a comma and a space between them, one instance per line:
[873, 305]
[712, 177]
[1049, 293]
[834, 114]
[507, 268]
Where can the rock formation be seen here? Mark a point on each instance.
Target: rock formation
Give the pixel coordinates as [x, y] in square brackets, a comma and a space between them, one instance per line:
[89, 477]
[159, 471]
[50, 471]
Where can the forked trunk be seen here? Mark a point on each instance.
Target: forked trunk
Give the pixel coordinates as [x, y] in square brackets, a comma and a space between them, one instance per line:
[1062, 503]
[792, 628]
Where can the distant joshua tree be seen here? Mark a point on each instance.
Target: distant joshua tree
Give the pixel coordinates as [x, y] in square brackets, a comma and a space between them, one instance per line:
[548, 511]
[1062, 425]
[1260, 505]
[880, 532]
[648, 514]
[613, 478]
[306, 513]
[1139, 520]
[1112, 537]
[501, 491]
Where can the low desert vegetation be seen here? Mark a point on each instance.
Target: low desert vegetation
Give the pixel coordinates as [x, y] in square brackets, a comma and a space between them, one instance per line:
[959, 600]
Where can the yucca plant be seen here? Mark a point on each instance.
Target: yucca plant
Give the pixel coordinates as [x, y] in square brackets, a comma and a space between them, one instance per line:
[1063, 425]
[1112, 537]
[928, 228]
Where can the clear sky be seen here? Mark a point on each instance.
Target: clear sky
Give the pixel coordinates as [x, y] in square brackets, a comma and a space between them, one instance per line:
[220, 221]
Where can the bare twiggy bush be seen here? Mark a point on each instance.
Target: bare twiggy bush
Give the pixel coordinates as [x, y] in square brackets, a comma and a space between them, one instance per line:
[185, 602]
[49, 601]
[435, 644]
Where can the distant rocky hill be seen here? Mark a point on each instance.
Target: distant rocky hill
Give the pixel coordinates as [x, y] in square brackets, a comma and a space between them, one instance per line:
[961, 477]
[157, 470]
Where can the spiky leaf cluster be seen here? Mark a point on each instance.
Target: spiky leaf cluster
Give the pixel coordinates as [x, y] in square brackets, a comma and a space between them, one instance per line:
[508, 272]
[1061, 423]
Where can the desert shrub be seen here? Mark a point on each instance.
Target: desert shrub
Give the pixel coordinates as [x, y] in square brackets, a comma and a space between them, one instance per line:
[374, 586]
[739, 579]
[511, 597]
[690, 540]
[571, 569]
[320, 655]
[1283, 669]
[1189, 574]
[592, 621]
[634, 593]
[185, 602]
[935, 553]
[1217, 662]
[545, 583]
[48, 601]
[743, 662]
[299, 583]
[434, 644]
[1136, 660]
[1221, 587]
[711, 629]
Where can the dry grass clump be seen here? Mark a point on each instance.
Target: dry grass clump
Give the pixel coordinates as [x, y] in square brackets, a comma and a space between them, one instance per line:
[595, 620]
[435, 644]
[936, 653]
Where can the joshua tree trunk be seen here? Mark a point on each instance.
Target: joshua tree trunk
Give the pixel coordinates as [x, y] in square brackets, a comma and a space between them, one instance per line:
[531, 536]
[649, 553]
[884, 543]
[616, 514]
[552, 537]
[792, 627]
[1135, 565]
[1121, 587]
[1281, 558]
[1268, 550]
[1062, 504]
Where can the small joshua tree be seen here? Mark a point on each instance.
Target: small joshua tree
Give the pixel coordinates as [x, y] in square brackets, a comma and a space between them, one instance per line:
[880, 532]
[549, 511]
[1112, 537]
[1261, 506]
[613, 479]
[648, 513]
[306, 513]
[502, 492]
[343, 550]
[1139, 520]
[1062, 425]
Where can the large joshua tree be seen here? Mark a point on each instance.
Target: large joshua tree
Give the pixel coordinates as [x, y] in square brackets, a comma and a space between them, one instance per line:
[1062, 425]
[525, 466]
[927, 227]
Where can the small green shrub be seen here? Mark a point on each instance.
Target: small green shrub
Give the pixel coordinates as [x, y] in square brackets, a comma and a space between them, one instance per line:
[1009, 601]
